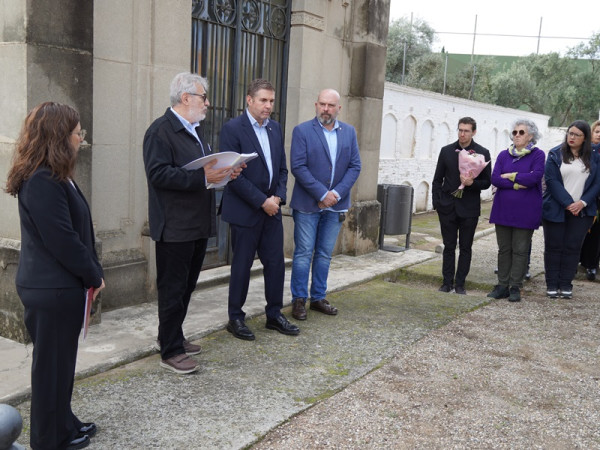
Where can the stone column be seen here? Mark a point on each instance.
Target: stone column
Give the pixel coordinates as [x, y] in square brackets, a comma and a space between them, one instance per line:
[341, 44]
[46, 53]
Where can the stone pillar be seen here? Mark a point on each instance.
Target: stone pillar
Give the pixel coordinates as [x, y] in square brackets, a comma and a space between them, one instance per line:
[46, 53]
[341, 44]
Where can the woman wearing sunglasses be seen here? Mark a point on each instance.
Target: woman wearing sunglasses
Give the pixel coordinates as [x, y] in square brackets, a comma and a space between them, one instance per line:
[517, 208]
[590, 250]
[572, 184]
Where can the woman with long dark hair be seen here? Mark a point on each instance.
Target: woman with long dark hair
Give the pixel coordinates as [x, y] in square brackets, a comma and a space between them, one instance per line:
[572, 175]
[57, 263]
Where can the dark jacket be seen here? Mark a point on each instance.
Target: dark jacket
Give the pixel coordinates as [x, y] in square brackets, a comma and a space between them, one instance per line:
[57, 237]
[180, 207]
[447, 180]
[556, 198]
[244, 196]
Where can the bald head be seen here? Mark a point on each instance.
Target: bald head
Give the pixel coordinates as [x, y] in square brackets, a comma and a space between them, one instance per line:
[327, 107]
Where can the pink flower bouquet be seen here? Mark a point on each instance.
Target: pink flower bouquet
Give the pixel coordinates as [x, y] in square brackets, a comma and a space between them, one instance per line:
[470, 164]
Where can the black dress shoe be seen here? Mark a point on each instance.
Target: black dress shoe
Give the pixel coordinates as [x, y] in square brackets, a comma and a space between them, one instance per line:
[79, 442]
[282, 325]
[88, 428]
[460, 290]
[239, 330]
[445, 288]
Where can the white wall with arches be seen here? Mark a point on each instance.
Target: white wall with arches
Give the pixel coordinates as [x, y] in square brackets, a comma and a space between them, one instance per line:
[417, 124]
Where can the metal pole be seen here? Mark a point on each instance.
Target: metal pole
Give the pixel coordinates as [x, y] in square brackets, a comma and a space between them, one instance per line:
[403, 63]
[472, 82]
[445, 74]
[539, 37]
[474, 35]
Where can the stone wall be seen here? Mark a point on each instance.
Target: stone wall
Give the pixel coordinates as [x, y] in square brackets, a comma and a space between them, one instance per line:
[340, 44]
[416, 124]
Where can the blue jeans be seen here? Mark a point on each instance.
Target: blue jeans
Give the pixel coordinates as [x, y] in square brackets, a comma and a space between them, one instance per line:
[315, 235]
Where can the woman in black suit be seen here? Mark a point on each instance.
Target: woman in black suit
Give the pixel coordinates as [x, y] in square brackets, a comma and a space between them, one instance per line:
[57, 263]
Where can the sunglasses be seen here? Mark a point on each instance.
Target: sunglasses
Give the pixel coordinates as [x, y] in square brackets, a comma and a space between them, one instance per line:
[519, 132]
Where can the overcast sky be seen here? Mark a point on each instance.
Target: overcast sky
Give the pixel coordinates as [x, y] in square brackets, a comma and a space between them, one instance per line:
[508, 17]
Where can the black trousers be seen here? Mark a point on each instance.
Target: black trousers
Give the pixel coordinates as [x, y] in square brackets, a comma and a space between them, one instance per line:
[590, 250]
[53, 318]
[266, 239]
[562, 246]
[456, 229]
[178, 266]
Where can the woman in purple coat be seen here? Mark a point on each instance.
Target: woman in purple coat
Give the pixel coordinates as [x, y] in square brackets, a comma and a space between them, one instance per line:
[517, 208]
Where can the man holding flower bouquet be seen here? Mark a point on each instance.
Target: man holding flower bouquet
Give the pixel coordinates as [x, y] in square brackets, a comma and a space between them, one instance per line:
[456, 197]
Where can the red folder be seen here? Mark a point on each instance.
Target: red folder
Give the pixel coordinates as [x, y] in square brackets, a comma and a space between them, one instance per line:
[89, 298]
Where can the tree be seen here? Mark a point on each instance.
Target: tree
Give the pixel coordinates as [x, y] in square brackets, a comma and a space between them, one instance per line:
[514, 88]
[427, 72]
[418, 37]
[473, 80]
[555, 92]
[587, 102]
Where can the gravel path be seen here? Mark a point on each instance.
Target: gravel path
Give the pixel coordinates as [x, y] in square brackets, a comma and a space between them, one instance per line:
[524, 375]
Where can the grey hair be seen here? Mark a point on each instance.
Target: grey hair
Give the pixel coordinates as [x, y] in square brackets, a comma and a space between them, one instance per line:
[185, 82]
[532, 129]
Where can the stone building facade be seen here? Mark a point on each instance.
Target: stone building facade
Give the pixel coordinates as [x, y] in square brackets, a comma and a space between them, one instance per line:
[113, 60]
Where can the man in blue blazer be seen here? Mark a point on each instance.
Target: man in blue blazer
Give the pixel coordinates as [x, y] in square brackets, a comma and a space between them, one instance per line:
[325, 161]
[251, 205]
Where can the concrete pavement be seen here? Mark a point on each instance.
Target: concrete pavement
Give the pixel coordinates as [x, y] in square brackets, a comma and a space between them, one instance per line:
[243, 389]
[128, 334]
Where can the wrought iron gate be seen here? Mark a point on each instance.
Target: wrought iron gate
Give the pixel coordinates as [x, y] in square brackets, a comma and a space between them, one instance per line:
[234, 42]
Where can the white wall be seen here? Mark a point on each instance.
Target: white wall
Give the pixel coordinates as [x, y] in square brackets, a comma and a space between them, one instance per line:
[417, 124]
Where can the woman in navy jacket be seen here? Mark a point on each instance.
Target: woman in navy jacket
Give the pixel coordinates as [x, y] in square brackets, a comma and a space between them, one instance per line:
[57, 263]
[590, 250]
[572, 177]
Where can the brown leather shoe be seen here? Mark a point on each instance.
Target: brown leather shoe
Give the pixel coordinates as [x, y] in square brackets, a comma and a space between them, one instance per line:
[324, 307]
[299, 309]
[180, 364]
[191, 349]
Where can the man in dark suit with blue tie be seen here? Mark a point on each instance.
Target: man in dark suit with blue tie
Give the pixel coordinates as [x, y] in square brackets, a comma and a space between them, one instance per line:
[181, 212]
[325, 161]
[251, 205]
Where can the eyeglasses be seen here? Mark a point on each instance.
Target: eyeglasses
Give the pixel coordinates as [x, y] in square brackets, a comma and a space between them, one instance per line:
[519, 132]
[203, 96]
[574, 135]
[81, 133]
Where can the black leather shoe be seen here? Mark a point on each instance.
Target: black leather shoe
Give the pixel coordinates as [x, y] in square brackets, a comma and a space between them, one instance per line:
[499, 292]
[460, 290]
[282, 325]
[590, 274]
[79, 442]
[89, 429]
[445, 288]
[515, 294]
[239, 330]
